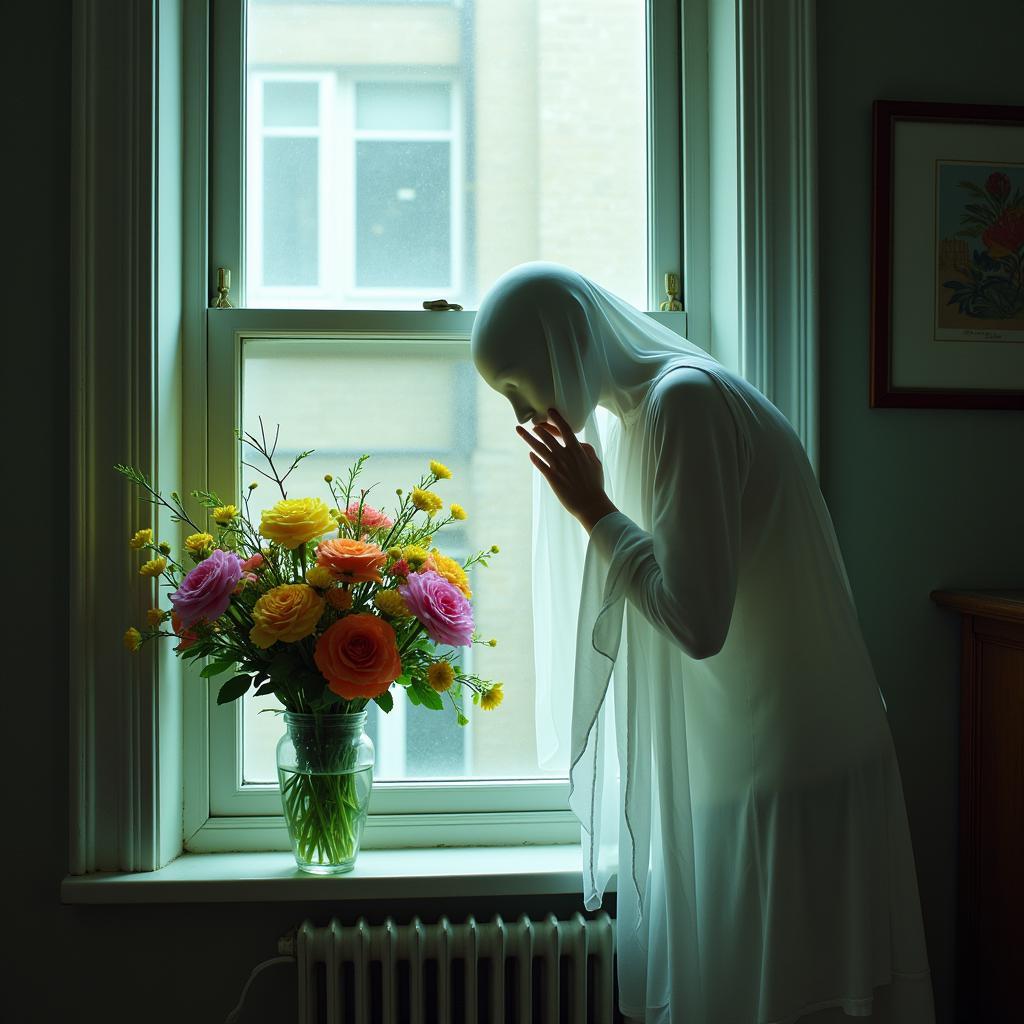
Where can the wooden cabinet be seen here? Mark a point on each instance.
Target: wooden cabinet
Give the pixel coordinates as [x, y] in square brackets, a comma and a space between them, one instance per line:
[990, 925]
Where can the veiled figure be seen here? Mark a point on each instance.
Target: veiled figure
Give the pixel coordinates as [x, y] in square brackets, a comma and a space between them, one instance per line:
[731, 759]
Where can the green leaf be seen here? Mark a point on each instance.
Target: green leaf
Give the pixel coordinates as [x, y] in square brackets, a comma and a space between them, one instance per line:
[265, 690]
[463, 720]
[216, 668]
[413, 696]
[384, 701]
[427, 697]
[233, 689]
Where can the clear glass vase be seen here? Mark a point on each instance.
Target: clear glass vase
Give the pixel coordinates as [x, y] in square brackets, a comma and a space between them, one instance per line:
[325, 767]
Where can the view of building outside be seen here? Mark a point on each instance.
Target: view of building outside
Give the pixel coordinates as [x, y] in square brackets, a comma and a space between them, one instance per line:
[402, 151]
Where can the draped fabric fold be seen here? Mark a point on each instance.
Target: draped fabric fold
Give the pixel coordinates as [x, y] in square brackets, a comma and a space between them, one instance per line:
[700, 667]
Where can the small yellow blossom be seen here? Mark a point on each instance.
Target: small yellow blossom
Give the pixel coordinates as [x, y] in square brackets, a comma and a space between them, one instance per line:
[426, 501]
[132, 639]
[492, 697]
[253, 486]
[390, 603]
[495, 549]
[394, 553]
[415, 555]
[223, 514]
[197, 543]
[320, 577]
[154, 567]
[492, 642]
[328, 478]
[141, 538]
[340, 600]
[164, 548]
[451, 571]
[155, 616]
[440, 470]
[458, 512]
[440, 675]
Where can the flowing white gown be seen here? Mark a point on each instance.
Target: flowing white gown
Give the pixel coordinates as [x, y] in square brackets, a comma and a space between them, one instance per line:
[739, 774]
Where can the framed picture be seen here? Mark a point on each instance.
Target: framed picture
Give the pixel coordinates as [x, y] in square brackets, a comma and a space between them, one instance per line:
[947, 274]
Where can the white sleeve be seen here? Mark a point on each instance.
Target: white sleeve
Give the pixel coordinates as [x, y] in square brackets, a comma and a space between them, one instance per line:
[682, 574]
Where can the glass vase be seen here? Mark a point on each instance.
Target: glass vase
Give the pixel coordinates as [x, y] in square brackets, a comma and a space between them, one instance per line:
[325, 767]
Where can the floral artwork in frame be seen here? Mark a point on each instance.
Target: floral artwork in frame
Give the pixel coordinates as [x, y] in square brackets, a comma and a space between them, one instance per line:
[947, 274]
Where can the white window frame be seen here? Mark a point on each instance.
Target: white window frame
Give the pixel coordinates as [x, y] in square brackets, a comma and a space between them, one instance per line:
[144, 270]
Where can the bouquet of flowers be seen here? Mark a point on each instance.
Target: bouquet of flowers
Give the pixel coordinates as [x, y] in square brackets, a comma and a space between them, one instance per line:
[325, 605]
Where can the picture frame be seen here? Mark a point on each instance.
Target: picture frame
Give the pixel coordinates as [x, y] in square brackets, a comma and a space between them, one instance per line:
[947, 266]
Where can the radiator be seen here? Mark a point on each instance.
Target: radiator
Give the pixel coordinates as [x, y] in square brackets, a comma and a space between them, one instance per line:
[529, 972]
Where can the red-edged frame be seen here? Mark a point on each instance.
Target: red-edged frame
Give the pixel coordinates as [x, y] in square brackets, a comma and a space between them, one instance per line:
[883, 394]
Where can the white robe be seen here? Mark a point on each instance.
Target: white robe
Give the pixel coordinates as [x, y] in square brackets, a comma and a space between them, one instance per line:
[765, 869]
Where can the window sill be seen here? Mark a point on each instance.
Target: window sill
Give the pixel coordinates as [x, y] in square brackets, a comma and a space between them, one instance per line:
[378, 874]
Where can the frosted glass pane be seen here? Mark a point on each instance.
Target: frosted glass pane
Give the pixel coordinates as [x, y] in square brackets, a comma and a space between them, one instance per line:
[406, 403]
[544, 108]
[403, 214]
[391, 105]
[290, 211]
[290, 104]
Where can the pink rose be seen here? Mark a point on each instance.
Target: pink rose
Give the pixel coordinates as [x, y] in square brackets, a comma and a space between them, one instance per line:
[252, 563]
[205, 592]
[441, 607]
[371, 518]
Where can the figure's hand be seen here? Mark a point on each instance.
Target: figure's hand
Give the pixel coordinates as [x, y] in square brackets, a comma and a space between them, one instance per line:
[572, 469]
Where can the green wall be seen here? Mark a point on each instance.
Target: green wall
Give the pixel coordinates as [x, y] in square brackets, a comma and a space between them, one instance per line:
[921, 499]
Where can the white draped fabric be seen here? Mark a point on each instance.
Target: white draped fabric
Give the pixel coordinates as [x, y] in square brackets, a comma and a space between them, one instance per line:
[731, 759]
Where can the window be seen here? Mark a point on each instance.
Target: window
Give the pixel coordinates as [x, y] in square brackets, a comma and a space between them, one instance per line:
[396, 152]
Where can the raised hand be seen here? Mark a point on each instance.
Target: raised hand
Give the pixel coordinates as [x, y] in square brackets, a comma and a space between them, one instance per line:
[571, 468]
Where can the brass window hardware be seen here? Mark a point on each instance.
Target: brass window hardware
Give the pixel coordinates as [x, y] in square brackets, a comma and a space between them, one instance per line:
[671, 302]
[440, 305]
[223, 287]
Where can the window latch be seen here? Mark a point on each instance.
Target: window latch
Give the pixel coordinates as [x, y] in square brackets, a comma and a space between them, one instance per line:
[440, 305]
[672, 294]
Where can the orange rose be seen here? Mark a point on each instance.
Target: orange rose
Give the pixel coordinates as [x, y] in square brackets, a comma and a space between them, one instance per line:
[358, 656]
[352, 561]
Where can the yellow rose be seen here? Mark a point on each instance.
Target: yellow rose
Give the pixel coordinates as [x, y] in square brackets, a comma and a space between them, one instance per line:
[440, 470]
[132, 639]
[390, 603]
[451, 571]
[154, 567]
[294, 521]
[197, 543]
[223, 514]
[492, 697]
[288, 612]
[440, 675]
[141, 538]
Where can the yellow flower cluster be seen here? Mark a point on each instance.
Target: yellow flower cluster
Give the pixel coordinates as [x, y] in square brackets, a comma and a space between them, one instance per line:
[141, 538]
[288, 612]
[426, 501]
[154, 567]
[132, 639]
[223, 514]
[390, 603]
[155, 616]
[440, 470]
[197, 543]
[415, 555]
[451, 571]
[458, 512]
[320, 577]
[492, 697]
[293, 522]
[440, 675]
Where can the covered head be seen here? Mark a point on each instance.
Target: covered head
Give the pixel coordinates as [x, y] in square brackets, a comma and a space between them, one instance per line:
[545, 336]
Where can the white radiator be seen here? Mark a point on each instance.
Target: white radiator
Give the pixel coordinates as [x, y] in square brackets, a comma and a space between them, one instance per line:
[529, 972]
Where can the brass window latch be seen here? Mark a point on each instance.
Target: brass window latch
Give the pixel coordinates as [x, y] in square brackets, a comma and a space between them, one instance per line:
[440, 305]
[223, 287]
[671, 302]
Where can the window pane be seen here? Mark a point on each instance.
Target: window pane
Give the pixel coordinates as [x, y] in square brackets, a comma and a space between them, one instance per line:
[290, 211]
[392, 105]
[406, 403]
[403, 214]
[290, 104]
[543, 105]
